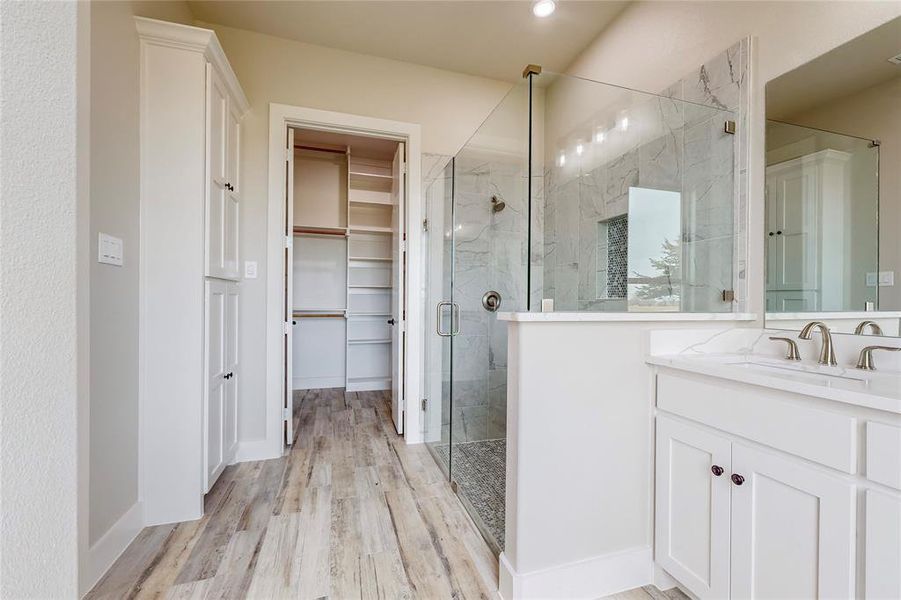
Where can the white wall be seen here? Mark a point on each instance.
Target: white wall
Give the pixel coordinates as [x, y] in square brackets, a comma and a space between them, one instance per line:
[114, 290]
[448, 106]
[43, 297]
[650, 41]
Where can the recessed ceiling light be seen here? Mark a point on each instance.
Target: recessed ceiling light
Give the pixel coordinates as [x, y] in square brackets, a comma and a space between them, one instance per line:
[544, 8]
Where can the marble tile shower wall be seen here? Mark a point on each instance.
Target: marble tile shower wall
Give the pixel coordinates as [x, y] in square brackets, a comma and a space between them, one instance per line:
[688, 153]
[491, 250]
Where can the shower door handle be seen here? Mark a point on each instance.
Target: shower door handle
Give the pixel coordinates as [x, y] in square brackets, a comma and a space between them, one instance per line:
[455, 318]
[438, 308]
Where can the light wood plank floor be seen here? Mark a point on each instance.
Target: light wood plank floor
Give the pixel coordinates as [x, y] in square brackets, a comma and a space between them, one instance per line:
[350, 512]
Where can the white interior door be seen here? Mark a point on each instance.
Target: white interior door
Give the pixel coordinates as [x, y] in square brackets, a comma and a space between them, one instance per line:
[288, 406]
[214, 405]
[792, 529]
[398, 312]
[692, 507]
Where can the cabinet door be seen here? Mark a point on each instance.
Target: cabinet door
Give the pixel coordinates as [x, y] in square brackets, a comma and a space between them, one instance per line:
[692, 507]
[792, 529]
[230, 418]
[882, 577]
[215, 357]
[233, 195]
[217, 170]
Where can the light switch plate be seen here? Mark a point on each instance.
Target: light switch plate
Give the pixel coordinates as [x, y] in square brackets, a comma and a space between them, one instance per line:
[250, 269]
[886, 278]
[109, 250]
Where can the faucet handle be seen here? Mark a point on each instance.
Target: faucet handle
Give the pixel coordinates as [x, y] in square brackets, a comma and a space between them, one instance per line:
[793, 353]
[875, 329]
[865, 360]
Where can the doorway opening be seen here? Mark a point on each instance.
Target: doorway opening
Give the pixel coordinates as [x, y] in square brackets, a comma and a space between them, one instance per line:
[344, 268]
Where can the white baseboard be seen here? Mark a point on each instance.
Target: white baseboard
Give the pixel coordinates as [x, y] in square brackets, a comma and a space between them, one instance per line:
[258, 450]
[594, 577]
[316, 383]
[108, 548]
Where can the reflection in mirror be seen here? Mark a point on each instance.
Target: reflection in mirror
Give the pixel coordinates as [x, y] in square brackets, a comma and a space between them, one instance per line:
[833, 188]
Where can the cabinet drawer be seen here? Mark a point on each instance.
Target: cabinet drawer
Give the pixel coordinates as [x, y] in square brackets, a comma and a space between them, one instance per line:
[776, 419]
[884, 454]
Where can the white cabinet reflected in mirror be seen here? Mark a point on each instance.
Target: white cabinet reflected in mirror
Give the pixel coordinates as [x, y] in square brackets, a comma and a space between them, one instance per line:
[833, 189]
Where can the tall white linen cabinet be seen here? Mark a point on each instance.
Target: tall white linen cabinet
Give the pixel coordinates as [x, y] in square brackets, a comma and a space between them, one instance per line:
[191, 107]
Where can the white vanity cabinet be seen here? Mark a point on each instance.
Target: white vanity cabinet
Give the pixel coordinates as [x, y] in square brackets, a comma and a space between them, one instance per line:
[762, 493]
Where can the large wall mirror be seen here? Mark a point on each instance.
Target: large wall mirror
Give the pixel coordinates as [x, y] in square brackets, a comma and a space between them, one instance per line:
[833, 189]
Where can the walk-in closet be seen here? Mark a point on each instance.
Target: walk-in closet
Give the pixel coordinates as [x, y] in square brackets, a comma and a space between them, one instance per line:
[344, 267]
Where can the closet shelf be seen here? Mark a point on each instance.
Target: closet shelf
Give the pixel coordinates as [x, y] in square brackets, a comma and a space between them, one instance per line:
[372, 258]
[387, 204]
[369, 229]
[369, 314]
[370, 175]
[370, 287]
[355, 384]
[374, 341]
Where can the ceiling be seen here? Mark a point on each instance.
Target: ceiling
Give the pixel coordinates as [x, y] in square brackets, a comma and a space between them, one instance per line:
[850, 68]
[490, 39]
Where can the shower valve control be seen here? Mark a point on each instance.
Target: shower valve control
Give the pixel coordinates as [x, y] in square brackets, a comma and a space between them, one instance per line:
[491, 301]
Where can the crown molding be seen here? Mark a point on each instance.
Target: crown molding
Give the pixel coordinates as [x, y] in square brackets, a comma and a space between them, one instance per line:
[195, 39]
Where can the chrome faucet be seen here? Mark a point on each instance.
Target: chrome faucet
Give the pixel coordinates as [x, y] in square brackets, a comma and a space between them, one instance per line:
[875, 329]
[827, 352]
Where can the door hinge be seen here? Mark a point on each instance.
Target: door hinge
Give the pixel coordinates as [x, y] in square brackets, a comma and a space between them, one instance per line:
[288, 327]
[729, 127]
[403, 168]
[289, 241]
[288, 152]
[425, 224]
[425, 402]
[287, 414]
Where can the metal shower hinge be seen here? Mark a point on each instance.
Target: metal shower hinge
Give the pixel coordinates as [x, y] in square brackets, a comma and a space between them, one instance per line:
[728, 295]
[531, 70]
[729, 127]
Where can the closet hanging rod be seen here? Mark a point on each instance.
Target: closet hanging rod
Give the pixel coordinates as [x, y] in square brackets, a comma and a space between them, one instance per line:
[305, 315]
[317, 149]
[320, 231]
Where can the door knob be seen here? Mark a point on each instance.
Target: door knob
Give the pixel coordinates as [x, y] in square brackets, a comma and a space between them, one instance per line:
[737, 479]
[717, 470]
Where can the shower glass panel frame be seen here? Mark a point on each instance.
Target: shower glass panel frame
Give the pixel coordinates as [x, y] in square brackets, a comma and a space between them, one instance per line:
[536, 205]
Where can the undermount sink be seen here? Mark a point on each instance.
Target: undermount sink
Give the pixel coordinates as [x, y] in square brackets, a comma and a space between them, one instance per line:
[808, 370]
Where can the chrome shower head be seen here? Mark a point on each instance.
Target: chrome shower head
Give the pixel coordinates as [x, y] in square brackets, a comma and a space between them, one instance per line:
[497, 205]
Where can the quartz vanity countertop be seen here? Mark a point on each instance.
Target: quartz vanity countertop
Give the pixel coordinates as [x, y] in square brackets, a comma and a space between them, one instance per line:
[880, 390]
[583, 317]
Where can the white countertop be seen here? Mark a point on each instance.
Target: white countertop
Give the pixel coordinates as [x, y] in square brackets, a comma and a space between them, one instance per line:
[881, 391]
[583, 317]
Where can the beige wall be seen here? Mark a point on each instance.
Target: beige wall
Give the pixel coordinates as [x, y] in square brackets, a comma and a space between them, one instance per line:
[651, 41]
[113, 462]
[873, 113]
[448, 106]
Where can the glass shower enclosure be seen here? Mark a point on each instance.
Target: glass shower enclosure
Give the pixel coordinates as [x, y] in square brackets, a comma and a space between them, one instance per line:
[579, 194]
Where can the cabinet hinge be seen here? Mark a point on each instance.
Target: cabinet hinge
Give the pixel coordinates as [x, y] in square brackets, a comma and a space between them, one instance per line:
[289, 241]
[288, 327]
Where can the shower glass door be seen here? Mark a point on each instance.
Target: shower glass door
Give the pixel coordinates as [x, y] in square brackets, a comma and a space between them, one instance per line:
[479, 268]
